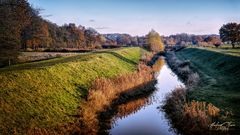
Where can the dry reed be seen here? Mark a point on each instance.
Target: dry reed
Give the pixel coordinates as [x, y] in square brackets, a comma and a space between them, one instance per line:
[198, 116]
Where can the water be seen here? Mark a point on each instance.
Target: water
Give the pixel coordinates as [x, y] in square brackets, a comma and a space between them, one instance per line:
[143, 116]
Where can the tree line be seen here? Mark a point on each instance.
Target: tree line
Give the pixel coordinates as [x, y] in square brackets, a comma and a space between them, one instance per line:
[22, 28]
[14, 17]
[229, 34]
[42, 34]
[191, 39]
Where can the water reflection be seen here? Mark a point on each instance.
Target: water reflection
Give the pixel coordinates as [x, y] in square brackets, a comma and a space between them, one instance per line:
[142, 116]
[158, 64]
[131, 107]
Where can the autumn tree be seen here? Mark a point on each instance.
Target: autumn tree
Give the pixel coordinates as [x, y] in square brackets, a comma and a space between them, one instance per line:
[230, 33]
[213, 40]
[14, 16]
[134, 41]
[197, 39]
[171, 41]
[36, 34]
[154, 41]
[73, 36]
[124, 39]
[101, 40]
[91, 37]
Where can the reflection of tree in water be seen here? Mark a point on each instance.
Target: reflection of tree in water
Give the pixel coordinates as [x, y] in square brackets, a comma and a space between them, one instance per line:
[131, 107]
[158, 64]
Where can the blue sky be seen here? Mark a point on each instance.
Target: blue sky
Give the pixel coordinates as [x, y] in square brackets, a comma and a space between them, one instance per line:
[137, 17]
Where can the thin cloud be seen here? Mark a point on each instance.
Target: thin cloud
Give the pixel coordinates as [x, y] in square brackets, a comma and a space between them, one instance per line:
[92, 20]
[189, 23]
[102, 28]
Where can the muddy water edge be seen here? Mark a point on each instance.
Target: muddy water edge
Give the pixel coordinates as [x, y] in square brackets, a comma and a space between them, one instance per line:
[137, 112]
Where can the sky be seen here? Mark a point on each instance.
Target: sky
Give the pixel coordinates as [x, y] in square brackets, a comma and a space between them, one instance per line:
[138, 17]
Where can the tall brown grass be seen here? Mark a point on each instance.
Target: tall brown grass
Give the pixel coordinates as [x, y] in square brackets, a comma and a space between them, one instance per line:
[189, 117]
[104, 91]
[198, 116]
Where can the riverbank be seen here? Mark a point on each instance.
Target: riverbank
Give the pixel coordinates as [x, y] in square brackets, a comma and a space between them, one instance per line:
[107, 93]
[44, 96]
[138, 113]
[208, 94]
[220, 77]
[135, 97]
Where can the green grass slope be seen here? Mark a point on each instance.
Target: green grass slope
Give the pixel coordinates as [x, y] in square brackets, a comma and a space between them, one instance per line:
[220, 78]
[46, 93]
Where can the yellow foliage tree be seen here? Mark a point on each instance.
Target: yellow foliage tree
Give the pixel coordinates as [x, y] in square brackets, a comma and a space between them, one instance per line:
[154, 42]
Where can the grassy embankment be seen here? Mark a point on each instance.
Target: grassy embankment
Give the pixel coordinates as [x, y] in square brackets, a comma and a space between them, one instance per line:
[47, 94]
[220, 78]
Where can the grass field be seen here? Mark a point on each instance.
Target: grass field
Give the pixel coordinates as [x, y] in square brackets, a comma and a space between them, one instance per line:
[220, 78]
[47, 93]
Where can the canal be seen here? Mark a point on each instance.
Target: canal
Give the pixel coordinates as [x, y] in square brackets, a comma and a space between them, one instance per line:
[144, 116]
